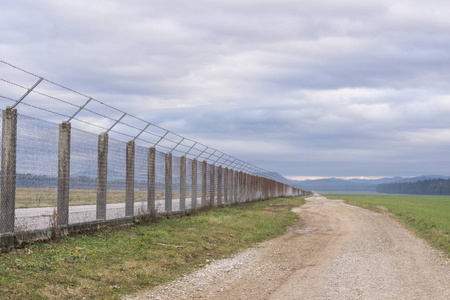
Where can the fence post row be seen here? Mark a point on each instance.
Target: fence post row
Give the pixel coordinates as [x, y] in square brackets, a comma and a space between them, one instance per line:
[62, 204]
[231, 186]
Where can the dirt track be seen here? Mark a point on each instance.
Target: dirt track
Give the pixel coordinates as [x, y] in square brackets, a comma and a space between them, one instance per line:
[335, 251]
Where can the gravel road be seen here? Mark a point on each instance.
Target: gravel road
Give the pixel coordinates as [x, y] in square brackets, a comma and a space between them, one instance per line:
[334, 251]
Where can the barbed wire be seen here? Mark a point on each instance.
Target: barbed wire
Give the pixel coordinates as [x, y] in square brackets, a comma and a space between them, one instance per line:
[211, 155]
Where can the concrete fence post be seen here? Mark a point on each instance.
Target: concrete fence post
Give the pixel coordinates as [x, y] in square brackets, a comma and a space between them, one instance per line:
[242, 176]
[219, 186]
[257, 187]
[168, 183]
[194, 185]
[151, 181]
[225, 186]
[62, 203]
[212, 184]
[241, 186]
[236, 186]
[252, 188]
[204, 166]
[8, 188]
[129, 196]
[231, 186]
[102, 176]
[182, 183]
[247, 187]
[261, 185]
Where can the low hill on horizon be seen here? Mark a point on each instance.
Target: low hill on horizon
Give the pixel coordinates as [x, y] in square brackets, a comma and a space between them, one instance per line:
[358, 185]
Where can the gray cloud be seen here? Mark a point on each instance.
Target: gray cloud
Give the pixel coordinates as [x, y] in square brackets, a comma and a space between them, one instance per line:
[319, 88]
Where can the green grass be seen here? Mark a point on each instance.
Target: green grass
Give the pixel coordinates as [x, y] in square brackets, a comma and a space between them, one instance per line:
[108, 264]
[428, 216]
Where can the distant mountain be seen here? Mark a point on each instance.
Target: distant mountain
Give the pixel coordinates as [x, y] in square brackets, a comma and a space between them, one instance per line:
[357, 185]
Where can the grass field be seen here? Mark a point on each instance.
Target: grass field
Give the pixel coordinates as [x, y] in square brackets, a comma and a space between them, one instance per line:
[428, 216]
[46, 197]
[108, 264]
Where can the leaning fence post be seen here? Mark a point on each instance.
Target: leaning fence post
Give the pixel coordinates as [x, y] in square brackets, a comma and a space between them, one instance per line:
[129, 182]
[8, 189]
[151, 209]
[62, 203]
[194, 185]
[204, 166]
[102, 176]
[168, 183]
[182, 183]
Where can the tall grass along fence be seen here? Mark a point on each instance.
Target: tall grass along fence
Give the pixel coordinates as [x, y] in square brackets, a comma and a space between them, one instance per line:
[70, 162]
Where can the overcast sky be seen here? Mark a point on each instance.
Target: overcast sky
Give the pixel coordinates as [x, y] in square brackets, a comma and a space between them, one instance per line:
[304, 88]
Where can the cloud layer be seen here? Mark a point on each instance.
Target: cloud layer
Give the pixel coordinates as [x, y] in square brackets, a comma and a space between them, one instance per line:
[305, 88]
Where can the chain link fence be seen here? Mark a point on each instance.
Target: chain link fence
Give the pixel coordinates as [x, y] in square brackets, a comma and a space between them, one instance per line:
[69, 159]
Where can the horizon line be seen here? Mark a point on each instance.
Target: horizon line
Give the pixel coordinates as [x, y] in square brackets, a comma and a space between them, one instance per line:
[349, 177]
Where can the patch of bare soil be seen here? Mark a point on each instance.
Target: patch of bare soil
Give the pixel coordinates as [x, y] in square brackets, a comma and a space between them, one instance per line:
[335, 251]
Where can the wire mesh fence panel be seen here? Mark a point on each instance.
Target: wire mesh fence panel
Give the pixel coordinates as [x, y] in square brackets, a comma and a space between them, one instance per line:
[160, 183]
[188, 183]
[176, 183]
[115, 207]
[140, 180]
[83, 176]
[37, 173]
[97, 188]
